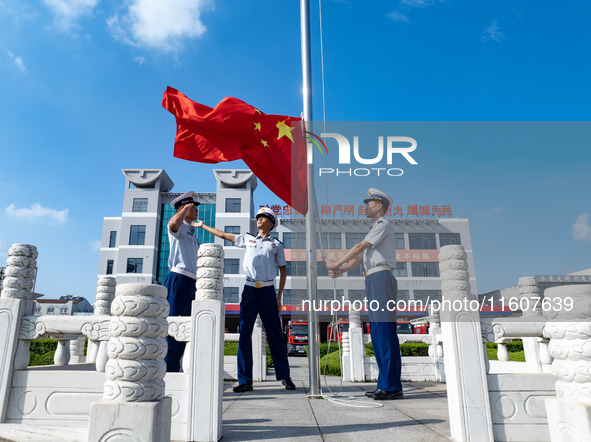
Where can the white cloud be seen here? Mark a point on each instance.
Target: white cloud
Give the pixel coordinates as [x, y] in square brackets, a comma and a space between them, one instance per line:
[397, 16]
[67, 12]
[18, 61]
[582, 228]
[418, 3]
[95, 245]
[38, 211]
[139, 60]
[159, 24]
[492, 32]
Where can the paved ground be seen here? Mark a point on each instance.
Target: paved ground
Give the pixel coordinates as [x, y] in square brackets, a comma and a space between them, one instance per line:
[270, 412]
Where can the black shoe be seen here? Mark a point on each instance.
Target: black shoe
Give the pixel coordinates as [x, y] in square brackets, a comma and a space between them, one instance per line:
[383, 395]
[289, 385]
[241, 388]
[371, 393]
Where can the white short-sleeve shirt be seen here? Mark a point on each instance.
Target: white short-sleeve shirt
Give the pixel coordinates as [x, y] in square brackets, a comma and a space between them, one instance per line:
[383, 245]
[183, 249]
[262, 257]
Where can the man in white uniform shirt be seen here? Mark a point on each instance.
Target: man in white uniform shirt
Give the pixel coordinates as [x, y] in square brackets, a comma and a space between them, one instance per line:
[182, 262]
[377, 252]
[264, 254]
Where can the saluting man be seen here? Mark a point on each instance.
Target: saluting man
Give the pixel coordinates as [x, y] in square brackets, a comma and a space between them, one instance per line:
[264, 254]
[377, 252]
[182, 262]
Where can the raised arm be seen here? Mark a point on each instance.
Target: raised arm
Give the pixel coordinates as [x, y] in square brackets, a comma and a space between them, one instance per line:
[214, 231]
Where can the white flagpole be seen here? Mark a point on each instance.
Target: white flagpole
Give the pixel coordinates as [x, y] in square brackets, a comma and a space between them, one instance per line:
[313, 330]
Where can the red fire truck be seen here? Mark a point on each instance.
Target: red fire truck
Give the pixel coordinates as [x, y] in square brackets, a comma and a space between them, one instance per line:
[297, 337]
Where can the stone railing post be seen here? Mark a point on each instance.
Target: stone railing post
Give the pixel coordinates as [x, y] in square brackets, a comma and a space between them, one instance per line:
[465, 370]
[97, 349]
[16, 301]
[530, 300]
[204, 419]
[436, 346]
[345, 357]
[569, 331]
[134, 406]
[356, 346]
[258, 353]
[77, 350]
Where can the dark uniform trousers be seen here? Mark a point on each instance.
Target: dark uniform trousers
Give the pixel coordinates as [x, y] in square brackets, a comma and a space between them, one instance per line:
[262, 301]
[181, 292]
[382, 287]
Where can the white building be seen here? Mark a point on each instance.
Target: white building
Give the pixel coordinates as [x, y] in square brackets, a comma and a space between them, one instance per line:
[134, 246]
[66, 305]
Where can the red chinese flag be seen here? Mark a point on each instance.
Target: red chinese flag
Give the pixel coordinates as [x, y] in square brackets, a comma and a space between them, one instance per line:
[271, 145]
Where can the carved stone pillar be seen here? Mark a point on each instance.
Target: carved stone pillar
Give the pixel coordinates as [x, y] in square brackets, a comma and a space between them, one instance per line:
[105, 293]
[204, 420]
[134, 406]
[465, 370]
[15, 302]
[568, 311]
[19, 280]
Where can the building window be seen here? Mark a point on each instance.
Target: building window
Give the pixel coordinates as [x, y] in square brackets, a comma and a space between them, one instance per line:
[399, 241]
[426, 296]
[140, 205]
[294, 296]
[110, 263]
[400, 270]
[331, 241]
[446, 239]
[294, 240]
[231, 295]
[231, 229]
[50, 310]
[37, 309]
[402, 295]
[329, 295]
[353, 239]
[137, 235]
[113, 239]
[231, 266]
[422, 241]
[63, 310]
[232, 205]
[357, 271]
[356, 295]
[135, 265]
[321, 269]
[296, 268]
[422, 269]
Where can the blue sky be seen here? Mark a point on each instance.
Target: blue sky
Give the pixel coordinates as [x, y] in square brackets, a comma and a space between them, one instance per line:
[81, 83]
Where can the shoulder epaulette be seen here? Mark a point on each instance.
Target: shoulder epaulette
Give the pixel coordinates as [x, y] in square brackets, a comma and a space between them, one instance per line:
[277, 239]
[248, 233]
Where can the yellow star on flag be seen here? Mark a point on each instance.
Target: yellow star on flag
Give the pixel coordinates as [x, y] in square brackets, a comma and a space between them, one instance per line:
[284, 131]
[264, 143]
[257, 126]
[257, 111]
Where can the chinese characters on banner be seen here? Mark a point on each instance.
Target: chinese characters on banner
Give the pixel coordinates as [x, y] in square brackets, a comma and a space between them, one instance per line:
[350, 210]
